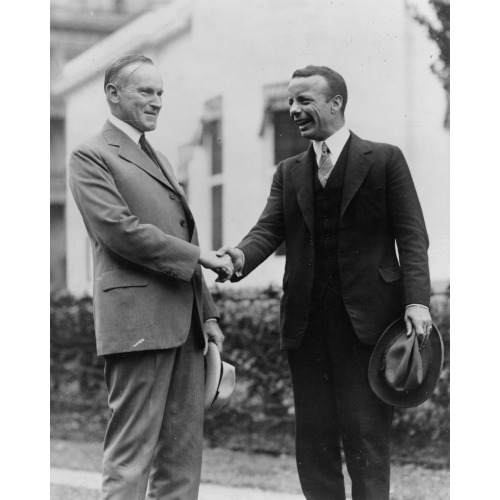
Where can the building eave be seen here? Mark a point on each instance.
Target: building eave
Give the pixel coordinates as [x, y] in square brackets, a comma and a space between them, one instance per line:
[157, 27]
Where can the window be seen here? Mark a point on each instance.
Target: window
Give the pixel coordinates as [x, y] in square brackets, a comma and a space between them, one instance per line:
[279, 128]
[287, 139]
[212, 142]
[213, 129]
[217, 216]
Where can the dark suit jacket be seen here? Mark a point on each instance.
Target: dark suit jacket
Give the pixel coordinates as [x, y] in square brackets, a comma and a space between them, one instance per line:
[146, 274]
[379, 208]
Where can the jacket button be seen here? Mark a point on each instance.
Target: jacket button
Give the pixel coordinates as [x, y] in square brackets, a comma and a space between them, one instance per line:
[182, 222]
[309, 263]
[172, 196]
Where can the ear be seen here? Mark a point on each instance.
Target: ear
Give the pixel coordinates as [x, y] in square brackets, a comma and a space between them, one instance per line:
[112, 93]
[336, 103]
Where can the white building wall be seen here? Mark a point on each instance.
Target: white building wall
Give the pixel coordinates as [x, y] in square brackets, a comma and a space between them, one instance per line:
[233, 49]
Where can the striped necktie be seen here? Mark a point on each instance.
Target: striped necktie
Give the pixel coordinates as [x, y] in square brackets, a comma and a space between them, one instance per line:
[147, 149]
[325, 165]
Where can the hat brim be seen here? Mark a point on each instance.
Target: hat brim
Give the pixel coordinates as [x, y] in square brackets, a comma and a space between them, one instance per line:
[220, 379]
[432, 355]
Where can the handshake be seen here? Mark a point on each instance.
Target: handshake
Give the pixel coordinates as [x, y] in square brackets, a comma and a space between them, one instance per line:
[224, 262]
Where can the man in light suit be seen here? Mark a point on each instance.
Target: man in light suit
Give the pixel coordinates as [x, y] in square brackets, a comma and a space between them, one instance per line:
[340, 207]
[152, 309]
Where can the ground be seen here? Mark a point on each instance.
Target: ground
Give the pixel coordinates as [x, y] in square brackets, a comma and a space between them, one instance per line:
[239, 469]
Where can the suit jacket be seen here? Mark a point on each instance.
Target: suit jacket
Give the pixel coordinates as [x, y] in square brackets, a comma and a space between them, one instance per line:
[379, 208]
[146, 274]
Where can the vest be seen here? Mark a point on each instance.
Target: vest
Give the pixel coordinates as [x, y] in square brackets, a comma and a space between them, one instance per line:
[327, 203]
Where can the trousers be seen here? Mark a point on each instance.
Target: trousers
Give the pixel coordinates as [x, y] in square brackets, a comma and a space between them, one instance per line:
[335, 408]
[153, 442]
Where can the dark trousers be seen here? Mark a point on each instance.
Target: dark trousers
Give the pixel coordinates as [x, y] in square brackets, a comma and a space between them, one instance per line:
[334, 403]
[154, 437]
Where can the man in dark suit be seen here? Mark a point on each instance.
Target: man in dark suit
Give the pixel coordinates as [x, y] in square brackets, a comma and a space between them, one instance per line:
[152, 309]
[341, 207]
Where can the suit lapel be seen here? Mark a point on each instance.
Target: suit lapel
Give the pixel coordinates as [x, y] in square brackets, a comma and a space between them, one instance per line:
[131, 152]
[168, 171]
[302, 179]
[358, 165]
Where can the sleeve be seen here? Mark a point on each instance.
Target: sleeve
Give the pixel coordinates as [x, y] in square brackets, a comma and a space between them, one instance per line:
[409, 228]
[209, 308]
[110, 221]
[269, 232]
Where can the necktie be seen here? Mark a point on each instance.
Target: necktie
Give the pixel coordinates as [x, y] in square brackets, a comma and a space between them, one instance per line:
[146, 148]
[325, 165]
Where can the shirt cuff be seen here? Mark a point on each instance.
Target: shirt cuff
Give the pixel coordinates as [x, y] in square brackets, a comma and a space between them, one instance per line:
[211, 319]
[418, 305]
[239, 273]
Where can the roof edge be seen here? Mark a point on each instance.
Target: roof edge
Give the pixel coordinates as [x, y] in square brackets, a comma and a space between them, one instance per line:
[155, 27]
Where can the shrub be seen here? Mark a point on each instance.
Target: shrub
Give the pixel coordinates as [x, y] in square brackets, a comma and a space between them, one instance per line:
[260, 414]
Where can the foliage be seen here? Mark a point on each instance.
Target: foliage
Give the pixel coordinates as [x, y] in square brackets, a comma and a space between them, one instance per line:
[259, 415]
[440, 33]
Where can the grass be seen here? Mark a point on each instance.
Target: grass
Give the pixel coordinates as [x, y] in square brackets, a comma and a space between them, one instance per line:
[239, 469]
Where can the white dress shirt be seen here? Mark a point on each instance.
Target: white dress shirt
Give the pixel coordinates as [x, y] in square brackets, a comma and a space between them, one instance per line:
[126, 128]
[335, 143]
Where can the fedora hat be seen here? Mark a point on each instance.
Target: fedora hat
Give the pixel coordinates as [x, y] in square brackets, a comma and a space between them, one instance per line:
[399, 372]
[220, 379]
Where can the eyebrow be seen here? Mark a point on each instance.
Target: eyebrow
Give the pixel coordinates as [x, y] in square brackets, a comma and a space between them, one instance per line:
[149, 87]
[299, 97]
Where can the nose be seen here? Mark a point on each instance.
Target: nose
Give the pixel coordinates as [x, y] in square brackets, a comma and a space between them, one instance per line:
[156, 102]
[295, 109]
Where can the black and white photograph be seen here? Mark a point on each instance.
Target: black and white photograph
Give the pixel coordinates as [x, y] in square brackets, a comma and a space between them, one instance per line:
[250, 249]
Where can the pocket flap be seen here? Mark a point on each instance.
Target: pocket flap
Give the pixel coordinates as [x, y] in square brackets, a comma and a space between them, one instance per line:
[120, 278]
[389, 274]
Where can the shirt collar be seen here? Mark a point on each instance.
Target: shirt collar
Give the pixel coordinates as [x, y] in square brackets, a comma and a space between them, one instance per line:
[335, 142]
[127, 129]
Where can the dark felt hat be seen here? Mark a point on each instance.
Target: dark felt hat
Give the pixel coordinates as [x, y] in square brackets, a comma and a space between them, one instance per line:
[220, 379]
[399, 372]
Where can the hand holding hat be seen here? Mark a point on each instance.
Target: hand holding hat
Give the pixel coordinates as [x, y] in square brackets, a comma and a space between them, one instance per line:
[418, 321]
[220, 379]
[401, 372]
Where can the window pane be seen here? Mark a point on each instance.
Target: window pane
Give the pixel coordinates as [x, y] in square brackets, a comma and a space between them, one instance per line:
[213, 130]
[287, 139]
[216, 216]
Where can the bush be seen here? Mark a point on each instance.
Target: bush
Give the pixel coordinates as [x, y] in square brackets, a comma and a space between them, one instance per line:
[259, 415]
[428, 425]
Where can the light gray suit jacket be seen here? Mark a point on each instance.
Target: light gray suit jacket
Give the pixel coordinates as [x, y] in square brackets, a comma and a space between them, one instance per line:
[146, 274]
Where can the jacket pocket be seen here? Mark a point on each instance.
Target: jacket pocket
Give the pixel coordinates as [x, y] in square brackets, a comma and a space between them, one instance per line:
[390, 274]
[120, 278]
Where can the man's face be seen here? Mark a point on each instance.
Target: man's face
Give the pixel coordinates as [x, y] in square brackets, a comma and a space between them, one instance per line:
[309, 107]
[139, 96]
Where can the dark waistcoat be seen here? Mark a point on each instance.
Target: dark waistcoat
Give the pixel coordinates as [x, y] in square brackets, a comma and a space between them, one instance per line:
[327, 202]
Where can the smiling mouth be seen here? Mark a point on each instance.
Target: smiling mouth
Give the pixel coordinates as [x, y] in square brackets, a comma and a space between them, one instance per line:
[150, 113]
[303, 123]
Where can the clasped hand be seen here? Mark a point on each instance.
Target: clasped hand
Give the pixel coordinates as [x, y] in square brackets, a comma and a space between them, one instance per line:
[225, 262]
[220, 264]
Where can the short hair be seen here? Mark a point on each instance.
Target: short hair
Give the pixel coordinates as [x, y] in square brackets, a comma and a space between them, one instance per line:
[336, 84]
[113, 71]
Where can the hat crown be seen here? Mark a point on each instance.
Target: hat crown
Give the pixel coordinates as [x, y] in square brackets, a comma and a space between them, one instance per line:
[403, 367]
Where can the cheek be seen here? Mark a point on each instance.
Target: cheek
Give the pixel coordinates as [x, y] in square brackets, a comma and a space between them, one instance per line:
[313, 113]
